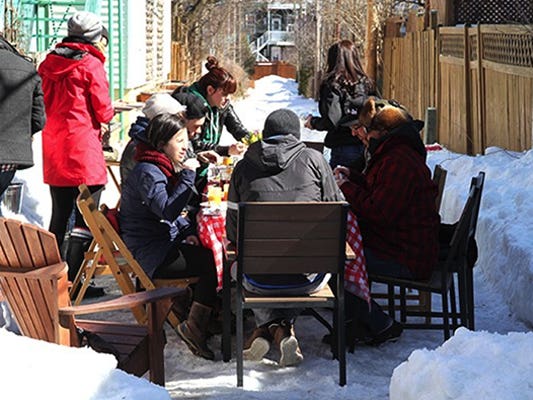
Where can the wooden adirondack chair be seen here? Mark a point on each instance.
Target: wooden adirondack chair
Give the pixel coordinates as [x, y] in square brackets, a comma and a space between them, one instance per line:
[119, 259]
[34, 282]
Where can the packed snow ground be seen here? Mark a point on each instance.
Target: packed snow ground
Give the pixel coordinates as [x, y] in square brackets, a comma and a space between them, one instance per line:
[492, 363]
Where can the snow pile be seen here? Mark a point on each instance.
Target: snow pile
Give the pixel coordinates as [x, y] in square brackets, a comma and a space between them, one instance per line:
[505, 218]
[41, 370]
[471, 365]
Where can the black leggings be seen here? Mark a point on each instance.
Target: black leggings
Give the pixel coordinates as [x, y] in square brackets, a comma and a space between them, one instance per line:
[63, 203]
[186, 261]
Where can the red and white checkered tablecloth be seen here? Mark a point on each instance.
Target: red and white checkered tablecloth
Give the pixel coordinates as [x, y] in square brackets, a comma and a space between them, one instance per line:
[355, 275]
[211, 230]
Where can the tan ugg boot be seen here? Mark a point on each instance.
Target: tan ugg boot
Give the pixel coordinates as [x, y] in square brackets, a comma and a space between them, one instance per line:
[257, 344]
[283, 334]
[193, 331]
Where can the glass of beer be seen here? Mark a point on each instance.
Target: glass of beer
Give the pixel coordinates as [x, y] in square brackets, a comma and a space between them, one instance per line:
[214, 196]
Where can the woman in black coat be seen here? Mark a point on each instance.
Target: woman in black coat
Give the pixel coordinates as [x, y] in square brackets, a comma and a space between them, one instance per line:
[342, 93]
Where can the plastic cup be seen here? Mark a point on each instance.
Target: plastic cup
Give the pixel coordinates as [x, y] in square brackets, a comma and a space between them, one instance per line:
[214, 196]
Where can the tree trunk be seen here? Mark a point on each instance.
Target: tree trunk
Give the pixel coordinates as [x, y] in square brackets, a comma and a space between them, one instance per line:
[371, 41]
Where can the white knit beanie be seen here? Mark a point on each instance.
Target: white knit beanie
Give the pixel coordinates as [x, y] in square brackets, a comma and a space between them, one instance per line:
[161, 103]
[86, 25]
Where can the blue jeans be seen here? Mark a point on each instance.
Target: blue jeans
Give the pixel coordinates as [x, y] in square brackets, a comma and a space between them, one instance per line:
[265, 315]
[378, 266]
[345, 155]
[373, 317]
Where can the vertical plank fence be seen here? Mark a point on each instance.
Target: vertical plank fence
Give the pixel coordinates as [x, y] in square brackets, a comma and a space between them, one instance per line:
[480, 79]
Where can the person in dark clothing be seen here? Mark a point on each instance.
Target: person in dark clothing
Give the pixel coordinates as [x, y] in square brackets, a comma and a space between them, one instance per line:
[394, 201]
[76, 96]
[21, 112]
[279, 168]
[195, 116]
[214, 89]
[342, 93]
[162, 240]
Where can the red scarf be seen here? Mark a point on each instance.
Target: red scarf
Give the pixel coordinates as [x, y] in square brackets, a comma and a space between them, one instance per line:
[147, 153]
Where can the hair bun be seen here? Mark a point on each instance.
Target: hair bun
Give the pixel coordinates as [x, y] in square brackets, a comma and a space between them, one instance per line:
[211, 63]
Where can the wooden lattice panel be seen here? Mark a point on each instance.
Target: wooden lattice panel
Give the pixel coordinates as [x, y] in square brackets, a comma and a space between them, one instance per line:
[493, 11]
[510, 49]
[452, 45]
[472, 42]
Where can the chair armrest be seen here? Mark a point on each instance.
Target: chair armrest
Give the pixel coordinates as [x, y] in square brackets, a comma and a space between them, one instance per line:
[123, 302]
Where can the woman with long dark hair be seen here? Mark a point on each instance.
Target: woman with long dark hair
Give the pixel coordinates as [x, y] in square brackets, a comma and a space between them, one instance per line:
[162, 240]
[343, 91]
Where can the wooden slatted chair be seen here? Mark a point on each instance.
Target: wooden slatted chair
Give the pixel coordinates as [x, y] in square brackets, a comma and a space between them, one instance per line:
[281, 238]
[92, 265]
[116, 255]
[39, 300]
[23, 246]
[34, 282]
[441, 282]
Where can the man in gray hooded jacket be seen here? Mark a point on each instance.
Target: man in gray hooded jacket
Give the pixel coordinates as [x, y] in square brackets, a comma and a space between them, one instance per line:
[279, 168]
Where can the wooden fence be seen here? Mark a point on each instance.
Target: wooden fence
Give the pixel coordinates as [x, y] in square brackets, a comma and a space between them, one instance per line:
[279, 68]
[480, 80]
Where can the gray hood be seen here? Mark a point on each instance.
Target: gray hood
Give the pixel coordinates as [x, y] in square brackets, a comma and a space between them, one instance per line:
[275, 153]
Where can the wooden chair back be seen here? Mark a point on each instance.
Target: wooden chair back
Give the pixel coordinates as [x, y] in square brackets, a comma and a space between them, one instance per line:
[439, 178]
[114, 251]
[35, 299]
[281, 238]
[287, 238]
[23, 245]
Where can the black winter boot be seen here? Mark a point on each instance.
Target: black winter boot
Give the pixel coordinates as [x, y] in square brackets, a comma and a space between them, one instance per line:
[78, 243]
[194, 331]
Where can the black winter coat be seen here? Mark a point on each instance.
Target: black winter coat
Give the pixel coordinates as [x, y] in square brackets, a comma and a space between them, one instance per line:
[21, 107]
[337, 106]
[280, 168]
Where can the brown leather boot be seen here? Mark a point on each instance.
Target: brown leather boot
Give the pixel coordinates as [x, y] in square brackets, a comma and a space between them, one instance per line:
[258, 344]
[193, 331]
[283, 334]
[182, 304]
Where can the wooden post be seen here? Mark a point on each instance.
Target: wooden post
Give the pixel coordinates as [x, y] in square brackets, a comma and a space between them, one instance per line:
[481, 90]
[468, 91]
[434, 19]
[430, 128]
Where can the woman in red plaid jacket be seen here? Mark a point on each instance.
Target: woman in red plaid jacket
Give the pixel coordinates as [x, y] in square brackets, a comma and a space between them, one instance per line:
[394, 197]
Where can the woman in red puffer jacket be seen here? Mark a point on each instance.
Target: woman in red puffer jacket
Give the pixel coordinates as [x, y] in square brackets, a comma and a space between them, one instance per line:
[77, 103]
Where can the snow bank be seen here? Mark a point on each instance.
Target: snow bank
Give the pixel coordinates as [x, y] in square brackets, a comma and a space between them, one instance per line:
[505, 218]
[470, 365]
[34, 369]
